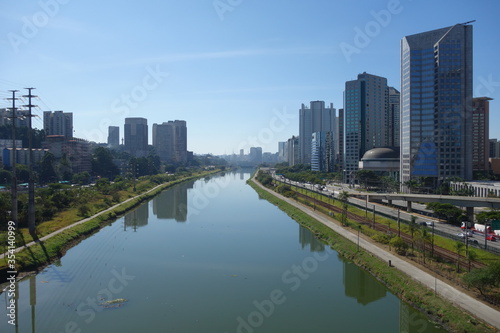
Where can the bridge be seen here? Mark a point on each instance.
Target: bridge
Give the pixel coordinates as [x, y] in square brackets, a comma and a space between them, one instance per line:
[468, 202]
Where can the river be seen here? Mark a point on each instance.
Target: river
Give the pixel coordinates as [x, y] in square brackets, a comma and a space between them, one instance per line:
[206, 256]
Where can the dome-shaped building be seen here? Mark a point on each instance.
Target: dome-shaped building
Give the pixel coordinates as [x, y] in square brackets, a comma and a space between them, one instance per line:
[384, 161]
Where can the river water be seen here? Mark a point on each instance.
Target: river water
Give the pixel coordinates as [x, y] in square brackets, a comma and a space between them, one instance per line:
[206, 256]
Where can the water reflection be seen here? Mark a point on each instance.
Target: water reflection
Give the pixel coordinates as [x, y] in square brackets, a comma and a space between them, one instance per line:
[360, 285]
[173, 203]
[307, 239]
[137, 218]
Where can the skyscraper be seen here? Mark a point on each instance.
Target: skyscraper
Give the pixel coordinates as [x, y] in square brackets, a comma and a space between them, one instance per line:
[316, 118]
[436, 104]
[136, 136]
[58, 123]
[323, 152]
[365, 118]
[113, 136]
[481, 133]
[393, 117]
[170, 141]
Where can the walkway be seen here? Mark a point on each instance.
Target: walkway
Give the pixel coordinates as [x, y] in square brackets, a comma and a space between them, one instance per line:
[455, 296]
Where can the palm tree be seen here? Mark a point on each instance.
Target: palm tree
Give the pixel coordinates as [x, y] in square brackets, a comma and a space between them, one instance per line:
[424, 239]
[471, 256]
[413, 228]
[344, 199]
[459, 247]
[411, 184]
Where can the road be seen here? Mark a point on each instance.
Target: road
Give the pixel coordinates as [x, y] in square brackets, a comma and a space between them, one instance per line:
[440, 227]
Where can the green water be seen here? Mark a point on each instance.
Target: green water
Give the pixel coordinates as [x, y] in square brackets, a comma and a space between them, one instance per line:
[207, 256]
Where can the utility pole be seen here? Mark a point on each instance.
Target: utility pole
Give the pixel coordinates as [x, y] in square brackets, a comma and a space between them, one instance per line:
[31, 183]
[13, 190]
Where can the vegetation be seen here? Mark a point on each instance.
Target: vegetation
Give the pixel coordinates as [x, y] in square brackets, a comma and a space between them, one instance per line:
[449, 212]
[486, 216]
[485, 280]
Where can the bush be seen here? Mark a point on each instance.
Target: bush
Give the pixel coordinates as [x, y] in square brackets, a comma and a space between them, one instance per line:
[399, 245]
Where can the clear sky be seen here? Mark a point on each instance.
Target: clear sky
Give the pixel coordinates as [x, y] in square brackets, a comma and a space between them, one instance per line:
[236, 70]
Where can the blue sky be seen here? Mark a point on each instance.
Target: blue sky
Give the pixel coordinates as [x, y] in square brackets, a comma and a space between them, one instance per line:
[236, 70]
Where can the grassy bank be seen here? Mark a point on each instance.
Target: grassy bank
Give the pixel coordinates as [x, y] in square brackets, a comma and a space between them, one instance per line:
[43, 253]
[438, 309]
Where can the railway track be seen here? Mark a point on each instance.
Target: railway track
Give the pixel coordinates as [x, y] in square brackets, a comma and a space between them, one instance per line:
[436, 251]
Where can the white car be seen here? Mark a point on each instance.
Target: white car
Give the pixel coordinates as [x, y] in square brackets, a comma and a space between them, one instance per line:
[429, 223]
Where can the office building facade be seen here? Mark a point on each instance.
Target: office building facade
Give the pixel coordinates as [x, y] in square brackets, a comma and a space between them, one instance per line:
[113, 136]
[323, 152]
[58, 123]
[316, 118]
[436, 105]
[170, 141]
[136, 136]
[365, 118]
[480, 133]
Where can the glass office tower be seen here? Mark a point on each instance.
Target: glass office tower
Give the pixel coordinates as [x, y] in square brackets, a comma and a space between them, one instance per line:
[436, 105]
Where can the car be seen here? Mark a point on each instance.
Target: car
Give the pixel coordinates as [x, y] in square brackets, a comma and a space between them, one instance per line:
[429, 223]
[473, 241]
[464, 234]
[491, 238]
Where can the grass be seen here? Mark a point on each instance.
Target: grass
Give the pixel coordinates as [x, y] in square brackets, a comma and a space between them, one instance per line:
[438, 309]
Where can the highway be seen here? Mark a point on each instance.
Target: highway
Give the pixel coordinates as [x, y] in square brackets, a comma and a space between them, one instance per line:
[440, 227]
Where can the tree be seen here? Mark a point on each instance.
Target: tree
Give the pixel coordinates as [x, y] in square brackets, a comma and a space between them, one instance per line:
[82, 178]
[47, 169]
[471, 256]
[488, 215]
[102, 163]
[451, 213]
[413, 228]
[344, 199]
[458, 247]
[399, 245]
[411, 184]
[367, 176]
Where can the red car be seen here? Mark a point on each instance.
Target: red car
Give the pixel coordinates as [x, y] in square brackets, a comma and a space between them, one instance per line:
[491, 238]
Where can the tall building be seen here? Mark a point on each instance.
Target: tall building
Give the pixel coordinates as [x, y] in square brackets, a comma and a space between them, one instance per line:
[6, 117]
[113, 136]
[365, 118]
[323, 152]
[282, 151]
[340, 139]
[292, 150]
[255, 155]
[136, 136]
[170, 141]
[393, 117]
[481, 133]
[316, 118]
[58, 123]
[494, 148]
[436, 104]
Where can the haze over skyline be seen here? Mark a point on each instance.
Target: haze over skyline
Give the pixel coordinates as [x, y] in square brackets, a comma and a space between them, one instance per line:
[237, 71]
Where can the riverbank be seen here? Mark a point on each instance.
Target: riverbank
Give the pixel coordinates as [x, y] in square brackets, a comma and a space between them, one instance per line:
[441, 302]
[35, 255]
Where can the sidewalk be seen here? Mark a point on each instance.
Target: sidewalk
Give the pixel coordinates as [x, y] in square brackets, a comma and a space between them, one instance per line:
[455, 296]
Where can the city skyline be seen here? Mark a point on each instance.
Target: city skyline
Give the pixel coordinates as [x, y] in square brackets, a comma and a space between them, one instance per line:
[214, 66]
